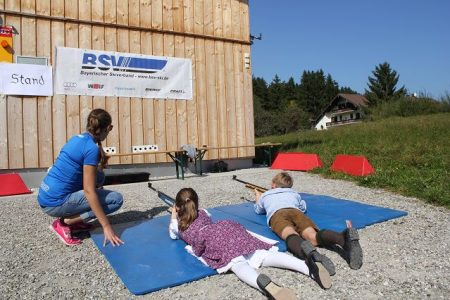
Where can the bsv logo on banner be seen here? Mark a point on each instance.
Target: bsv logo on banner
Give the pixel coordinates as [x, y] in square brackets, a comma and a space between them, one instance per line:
[105, 62]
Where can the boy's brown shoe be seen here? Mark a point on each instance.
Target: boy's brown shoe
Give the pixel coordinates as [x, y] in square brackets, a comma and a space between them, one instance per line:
[272, 290]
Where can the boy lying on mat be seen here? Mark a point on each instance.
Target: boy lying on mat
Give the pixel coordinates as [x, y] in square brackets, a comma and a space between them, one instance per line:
[285, 215]
[226, 245]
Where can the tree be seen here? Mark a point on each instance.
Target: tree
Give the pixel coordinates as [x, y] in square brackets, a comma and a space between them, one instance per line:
[293, 118]
[276, 97]
[382, 87]
[347, 90]
[291, 91]
[331, 90]
[260, 88]
[316, 91]
[264, 120]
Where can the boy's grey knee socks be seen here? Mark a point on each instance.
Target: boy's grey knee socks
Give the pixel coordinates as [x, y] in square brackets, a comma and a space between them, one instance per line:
[328, 238]
[293, 243]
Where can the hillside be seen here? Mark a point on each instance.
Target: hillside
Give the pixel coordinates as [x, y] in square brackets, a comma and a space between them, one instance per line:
[411, 156]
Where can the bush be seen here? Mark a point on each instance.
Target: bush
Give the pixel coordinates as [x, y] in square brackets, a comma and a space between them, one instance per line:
[407, 107]
[265, 123]
[446, 98]
[275, 122]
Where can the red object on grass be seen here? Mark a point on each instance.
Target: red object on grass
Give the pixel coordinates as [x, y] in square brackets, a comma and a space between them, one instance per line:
[353, 165]
[12, 184]
[296, 161]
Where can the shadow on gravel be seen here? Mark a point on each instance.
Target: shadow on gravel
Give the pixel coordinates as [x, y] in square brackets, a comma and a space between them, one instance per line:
[337, 250]
[126, 219]
[133, 215]
[186, 176]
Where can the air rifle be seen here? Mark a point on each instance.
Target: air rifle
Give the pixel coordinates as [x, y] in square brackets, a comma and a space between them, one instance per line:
[250, 185]
[164, 197]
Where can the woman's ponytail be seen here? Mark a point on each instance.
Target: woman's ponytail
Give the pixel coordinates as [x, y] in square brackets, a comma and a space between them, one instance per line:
[103, 157]
[98, 122]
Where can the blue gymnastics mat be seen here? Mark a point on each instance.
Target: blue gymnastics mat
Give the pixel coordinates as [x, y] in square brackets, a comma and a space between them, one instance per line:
[149, 260]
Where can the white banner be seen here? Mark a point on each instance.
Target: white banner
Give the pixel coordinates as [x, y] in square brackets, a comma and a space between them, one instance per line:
[106, 73]
[26, 80]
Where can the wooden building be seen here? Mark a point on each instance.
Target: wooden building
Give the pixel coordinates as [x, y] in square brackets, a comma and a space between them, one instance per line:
[343, 109]
[214, 34]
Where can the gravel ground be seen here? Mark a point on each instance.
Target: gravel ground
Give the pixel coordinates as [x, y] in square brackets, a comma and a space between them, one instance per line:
[405, 258]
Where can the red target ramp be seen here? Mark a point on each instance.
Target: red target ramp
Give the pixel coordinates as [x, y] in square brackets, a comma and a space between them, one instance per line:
[296, 161]
[352, 165]
[12, 184]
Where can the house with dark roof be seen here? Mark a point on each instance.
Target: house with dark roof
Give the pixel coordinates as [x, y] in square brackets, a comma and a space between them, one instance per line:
[343, 109]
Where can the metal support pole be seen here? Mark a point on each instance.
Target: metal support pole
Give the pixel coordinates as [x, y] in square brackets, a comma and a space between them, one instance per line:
[199, 158]
[178, 159]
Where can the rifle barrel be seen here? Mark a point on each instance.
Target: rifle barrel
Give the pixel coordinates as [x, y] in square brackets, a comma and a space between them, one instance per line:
[164, 197]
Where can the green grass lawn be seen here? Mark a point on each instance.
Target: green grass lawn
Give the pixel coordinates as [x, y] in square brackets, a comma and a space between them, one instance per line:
[411, 156]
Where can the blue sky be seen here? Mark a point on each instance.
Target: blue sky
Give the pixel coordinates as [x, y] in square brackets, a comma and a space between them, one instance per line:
[348, 38]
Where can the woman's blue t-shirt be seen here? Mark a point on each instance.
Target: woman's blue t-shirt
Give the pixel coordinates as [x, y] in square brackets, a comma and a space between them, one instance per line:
[66, 175]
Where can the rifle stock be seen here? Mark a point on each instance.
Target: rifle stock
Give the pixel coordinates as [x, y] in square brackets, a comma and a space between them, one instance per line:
[254, 187]
[250, 185]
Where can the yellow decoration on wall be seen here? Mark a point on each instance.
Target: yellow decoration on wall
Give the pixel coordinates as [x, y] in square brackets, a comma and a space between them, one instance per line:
[6, 44]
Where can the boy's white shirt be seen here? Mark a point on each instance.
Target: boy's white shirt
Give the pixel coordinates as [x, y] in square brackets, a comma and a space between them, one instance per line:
[286, 198]
[174, 234]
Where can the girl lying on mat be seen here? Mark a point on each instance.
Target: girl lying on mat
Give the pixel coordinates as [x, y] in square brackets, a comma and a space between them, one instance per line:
[227, 245]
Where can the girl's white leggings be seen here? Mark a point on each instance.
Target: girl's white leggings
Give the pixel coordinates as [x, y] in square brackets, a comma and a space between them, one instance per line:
[281, 260]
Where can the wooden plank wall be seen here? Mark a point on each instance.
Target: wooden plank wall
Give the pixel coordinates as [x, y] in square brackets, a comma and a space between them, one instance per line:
[214, 34]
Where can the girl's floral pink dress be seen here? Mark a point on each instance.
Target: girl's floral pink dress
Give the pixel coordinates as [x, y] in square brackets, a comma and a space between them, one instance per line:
[218, 243]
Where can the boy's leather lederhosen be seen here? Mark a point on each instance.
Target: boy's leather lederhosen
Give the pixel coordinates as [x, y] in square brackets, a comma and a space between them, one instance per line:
[285, 217]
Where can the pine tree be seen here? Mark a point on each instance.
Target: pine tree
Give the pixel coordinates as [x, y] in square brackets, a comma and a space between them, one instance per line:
[260, 88]
[276, 97]
[382, 87]
[291, 91]
[331, 90]
[313, 91]
[347, 90]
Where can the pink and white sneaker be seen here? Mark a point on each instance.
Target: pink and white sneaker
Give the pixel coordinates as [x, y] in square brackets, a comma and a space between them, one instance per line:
[64, 233]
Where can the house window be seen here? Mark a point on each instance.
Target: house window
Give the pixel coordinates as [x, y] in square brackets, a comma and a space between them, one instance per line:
[351, 116]
[358, 116]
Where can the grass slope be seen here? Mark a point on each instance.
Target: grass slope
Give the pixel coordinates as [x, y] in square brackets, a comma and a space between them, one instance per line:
[411, 156]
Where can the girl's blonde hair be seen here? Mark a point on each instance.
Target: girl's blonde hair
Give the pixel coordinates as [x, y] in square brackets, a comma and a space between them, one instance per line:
[283, 180]
[98, 122]
[186, 202]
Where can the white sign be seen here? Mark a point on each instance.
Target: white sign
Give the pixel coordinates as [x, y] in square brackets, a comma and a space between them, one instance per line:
[106, 73]
[24, 79]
